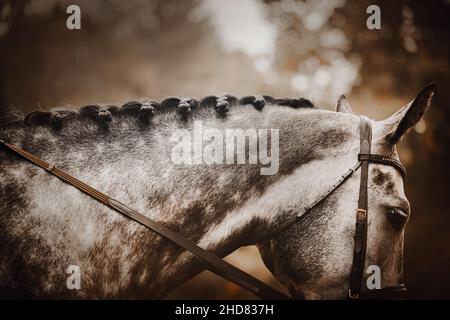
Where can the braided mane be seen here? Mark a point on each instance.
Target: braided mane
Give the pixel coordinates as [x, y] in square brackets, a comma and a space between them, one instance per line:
[144, 111]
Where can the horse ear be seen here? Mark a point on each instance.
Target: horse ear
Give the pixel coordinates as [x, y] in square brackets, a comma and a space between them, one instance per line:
[343, 106]
[405, 118]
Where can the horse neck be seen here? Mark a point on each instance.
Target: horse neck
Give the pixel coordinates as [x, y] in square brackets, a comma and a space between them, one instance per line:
[223, 208]
[220, 207]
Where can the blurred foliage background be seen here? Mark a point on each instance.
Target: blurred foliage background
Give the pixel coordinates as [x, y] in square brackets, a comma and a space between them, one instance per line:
[315, 49]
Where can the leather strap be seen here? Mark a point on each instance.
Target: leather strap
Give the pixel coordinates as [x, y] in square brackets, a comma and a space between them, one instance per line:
[215, 264]
[293, 218]
[360, 245]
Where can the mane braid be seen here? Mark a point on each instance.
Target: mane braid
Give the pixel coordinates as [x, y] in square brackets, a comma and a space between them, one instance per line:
[144, 111]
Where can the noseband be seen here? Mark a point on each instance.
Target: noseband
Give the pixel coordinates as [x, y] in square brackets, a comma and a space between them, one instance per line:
[235, 275]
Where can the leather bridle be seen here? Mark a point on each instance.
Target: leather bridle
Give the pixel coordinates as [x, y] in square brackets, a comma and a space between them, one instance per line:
[360, 246]
[235, 275]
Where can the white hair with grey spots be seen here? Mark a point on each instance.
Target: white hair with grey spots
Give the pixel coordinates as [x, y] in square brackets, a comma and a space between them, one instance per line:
[125, 152]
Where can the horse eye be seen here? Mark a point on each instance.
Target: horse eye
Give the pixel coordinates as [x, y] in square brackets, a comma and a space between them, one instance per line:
[397, 218]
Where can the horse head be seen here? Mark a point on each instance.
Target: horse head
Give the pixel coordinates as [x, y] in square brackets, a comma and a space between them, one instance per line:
[312, 257]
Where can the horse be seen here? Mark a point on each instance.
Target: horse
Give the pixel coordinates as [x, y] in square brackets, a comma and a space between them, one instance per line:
[47, 226]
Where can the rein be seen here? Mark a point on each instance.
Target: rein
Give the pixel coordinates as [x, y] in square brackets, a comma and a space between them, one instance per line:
[215, 264]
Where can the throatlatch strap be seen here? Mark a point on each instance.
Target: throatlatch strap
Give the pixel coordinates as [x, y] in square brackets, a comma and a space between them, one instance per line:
[215, 264]
[359, 250]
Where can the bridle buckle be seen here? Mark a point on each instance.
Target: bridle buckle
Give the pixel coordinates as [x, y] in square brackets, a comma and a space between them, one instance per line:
[361, 214]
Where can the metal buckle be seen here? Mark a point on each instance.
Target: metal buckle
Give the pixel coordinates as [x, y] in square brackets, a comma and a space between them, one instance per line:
[352, 296]
[361, 214]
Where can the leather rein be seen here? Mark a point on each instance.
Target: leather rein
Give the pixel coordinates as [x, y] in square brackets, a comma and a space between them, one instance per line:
[222, 268]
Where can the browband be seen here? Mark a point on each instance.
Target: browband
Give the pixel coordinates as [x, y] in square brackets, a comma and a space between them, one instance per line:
[377, 158]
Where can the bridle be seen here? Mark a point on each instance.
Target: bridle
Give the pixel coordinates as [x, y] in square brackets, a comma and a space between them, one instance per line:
[235, 275]
[360, 246]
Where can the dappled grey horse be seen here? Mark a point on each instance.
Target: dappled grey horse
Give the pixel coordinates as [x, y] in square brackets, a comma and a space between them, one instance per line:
[46, 225]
